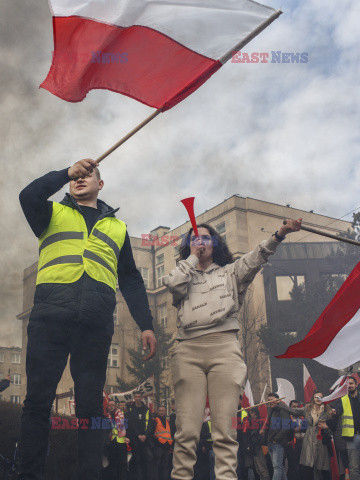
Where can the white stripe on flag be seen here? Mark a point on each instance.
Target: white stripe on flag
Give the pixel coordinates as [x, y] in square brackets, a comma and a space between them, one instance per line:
[209, 27]
[344, 350]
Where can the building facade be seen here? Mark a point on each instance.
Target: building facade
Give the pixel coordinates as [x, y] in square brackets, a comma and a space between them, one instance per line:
[244, 223]
[11, 362]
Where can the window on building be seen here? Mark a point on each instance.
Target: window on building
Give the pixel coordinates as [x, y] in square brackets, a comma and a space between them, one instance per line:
[220, 228]
[160, 274]
[115, 316]
[145, 275]
[113, 359]
[15, 358]
[16, 378]
[159, 259]
[163, 315]
[2, 356]
[15, 398]
[285, 284]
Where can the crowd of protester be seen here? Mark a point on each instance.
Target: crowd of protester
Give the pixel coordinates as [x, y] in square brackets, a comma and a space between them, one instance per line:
[290, 442]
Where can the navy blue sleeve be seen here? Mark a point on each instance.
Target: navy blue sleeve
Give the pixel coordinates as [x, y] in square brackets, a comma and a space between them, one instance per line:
[4, 384]
[131, 285]
[34, 199]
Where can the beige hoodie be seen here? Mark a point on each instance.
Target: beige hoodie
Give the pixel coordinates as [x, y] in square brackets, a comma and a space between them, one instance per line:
[209, 301]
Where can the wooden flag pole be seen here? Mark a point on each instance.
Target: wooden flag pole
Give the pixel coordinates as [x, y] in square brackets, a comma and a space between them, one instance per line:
[262, 403]
[329, 235]
[129, 135]
[222, 60]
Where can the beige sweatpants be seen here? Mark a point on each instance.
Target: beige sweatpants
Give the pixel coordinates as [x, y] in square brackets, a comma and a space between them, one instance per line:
[210, 365]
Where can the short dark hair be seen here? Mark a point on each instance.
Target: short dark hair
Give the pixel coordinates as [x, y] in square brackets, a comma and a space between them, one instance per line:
[138, 393]
[293, 401]
[273, 394]
[97, 173]
[221, 253]
[353, 378]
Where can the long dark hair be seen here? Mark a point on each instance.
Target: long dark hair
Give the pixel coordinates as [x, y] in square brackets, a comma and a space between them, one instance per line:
[221, 253]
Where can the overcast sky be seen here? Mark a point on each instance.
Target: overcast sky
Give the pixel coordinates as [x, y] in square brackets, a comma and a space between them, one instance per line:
[284, 133]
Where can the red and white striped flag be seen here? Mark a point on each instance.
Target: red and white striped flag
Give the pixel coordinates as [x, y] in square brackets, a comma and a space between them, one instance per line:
[248, 399]
[309, 386]
[157, 52]
[335, 336]
[341, 391]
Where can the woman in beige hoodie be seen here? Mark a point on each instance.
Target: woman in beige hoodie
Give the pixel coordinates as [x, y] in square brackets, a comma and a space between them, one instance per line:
[208, 289]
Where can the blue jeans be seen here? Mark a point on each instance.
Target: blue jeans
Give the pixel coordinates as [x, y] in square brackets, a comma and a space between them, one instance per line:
[353, 449]
[276, 452]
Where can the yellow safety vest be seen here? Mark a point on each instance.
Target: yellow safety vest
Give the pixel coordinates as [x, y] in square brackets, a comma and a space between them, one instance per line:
[347, 419]
[115, 434]
[66, 250]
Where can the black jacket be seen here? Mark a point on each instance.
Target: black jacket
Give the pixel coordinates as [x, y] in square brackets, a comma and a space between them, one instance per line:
[138, 424]
[86, 300]
[279, 428]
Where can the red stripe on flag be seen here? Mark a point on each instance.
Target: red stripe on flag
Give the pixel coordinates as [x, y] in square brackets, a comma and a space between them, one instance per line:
[336, 315]
[136, 61]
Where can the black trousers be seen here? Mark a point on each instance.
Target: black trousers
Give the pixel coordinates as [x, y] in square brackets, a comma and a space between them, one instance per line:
[117, 454]
[142, 461]
[161, 462]
[49, 345]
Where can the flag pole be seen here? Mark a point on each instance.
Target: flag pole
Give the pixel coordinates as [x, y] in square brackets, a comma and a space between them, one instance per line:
[250, 37]
[222, 60]
[129, 135]
[329, 235]
[262, 403]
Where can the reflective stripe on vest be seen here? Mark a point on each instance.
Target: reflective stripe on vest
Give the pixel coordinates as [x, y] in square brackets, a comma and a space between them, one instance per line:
[347, 420]
[163, 436]
[67, 251]
[209, 425]
[147, 416]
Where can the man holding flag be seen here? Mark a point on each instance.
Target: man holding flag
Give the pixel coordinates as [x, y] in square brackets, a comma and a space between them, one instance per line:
[348, 409]
[83, 251]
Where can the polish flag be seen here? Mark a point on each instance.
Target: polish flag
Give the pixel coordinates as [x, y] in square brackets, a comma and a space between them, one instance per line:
[157, 52]
[248, 399]
[335, 336]
[341, 391]
[309, 386]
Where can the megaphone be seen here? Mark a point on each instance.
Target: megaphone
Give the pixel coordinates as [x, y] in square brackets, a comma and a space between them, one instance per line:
[189, 205]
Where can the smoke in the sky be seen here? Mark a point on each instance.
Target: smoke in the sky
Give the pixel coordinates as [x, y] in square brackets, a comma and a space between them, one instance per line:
[277, 132]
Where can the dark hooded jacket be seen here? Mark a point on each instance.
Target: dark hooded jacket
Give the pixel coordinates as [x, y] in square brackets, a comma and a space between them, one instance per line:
[86, 301]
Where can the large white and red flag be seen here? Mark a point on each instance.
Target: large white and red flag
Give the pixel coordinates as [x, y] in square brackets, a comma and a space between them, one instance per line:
[157, 52]
[335, 336]
[309, 386]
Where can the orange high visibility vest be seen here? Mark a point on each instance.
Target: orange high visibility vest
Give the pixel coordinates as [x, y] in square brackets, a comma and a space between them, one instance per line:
[163, 435]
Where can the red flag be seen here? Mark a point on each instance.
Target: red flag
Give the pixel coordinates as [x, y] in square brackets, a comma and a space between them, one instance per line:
[335, 336]
[309, 386]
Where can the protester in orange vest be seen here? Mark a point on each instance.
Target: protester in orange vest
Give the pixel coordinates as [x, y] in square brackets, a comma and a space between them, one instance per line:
[162, 445]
